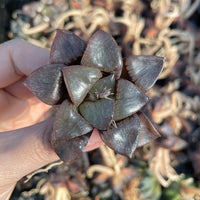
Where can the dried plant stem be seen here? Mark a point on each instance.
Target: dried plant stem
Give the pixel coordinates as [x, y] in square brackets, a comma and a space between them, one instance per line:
[106, 159]
[100, 169]
[110, 158]
[37, 29]
[37, 42]
[131, 191]
[46, 169]
[111, 169]
[70, 13]
[134, 24]
[55, 193]
[194, 74]
[178, 104]
[188, 192]
[188, 11]
[160, 164]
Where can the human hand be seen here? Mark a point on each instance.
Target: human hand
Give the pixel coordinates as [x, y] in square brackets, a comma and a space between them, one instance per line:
[23, 150]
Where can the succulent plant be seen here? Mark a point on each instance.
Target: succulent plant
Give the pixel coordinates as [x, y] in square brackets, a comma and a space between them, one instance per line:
[95, 88]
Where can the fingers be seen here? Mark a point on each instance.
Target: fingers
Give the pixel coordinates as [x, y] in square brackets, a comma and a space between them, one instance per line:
[17, 113]
[6, 191]
[19, 90]
[25, 150]
[19, 58]
[94, 141]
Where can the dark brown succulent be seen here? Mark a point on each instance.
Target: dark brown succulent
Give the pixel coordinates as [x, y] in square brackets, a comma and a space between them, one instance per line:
[98, 95]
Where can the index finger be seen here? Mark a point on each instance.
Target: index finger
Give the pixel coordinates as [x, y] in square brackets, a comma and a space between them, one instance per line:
[19, 58]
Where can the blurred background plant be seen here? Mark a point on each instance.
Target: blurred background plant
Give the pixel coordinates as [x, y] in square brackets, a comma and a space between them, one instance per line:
[167, 169]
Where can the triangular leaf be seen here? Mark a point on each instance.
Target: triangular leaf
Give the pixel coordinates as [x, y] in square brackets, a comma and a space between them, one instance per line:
[124, 138]
[129, 99]
[79, 80]
[66, 48]
[47, 83]
[144, 70]
[69, 123]
[99, 114]
[70, 150]
[148, 132]
[102, 52]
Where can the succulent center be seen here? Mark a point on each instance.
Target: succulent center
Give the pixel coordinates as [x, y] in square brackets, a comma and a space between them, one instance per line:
[104, 94]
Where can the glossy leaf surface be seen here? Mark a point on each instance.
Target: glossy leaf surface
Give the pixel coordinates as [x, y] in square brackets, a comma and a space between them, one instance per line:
[99, 114]
[79, 80]
[70, 150]
[148, 132]
[99, 94]
[69, 123]
[47, 83]
[124, 138]
[129, 99]
[102, 52]
[144, 70]
[66, 48]
[102, 88]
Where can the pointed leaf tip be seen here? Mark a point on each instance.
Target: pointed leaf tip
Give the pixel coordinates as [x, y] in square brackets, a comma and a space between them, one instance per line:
[79, 80]
[69, 123]
[124, 138]
[129, 99]
[70, 150]
[144, 70]
[148, 132]
[102, 52]
[98, 109]
[67, 47]
[47, 83]
[99, 113]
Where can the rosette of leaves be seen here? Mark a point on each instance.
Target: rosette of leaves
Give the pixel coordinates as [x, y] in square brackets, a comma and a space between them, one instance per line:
[95, 88]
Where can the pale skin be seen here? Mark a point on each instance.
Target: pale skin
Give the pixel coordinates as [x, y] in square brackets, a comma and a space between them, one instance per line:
[24, 134]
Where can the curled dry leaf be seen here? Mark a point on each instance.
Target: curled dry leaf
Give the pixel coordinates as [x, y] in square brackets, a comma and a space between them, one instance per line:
[97, 96]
